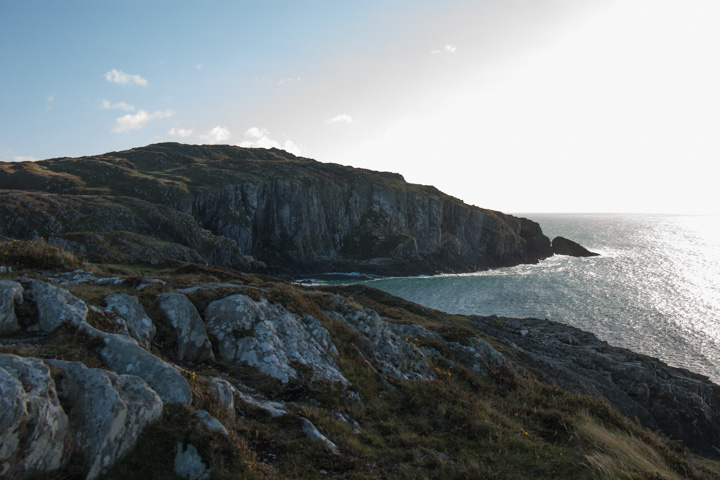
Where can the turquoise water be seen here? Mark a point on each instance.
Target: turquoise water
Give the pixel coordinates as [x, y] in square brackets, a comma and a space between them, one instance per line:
[655, 288]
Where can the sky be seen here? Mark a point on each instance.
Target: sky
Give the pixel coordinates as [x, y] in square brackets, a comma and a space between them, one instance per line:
[513, 105]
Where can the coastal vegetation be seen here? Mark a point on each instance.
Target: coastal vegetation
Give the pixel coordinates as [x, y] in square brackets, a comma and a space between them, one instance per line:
[504, 420]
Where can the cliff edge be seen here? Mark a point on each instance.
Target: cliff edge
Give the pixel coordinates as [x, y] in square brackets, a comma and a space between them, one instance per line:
[272, 209]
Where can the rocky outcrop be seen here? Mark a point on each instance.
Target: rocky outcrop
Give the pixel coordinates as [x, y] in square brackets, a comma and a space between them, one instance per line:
[188, 463]
[122, 354]
[563, 246]
[11, 293]
[192, 340]
[683, 405]
[136, 322]
[107, 411]
[394, 355]
[210, 203]
[55, 306]
[270, 338]
[329, 365]
[34, 429]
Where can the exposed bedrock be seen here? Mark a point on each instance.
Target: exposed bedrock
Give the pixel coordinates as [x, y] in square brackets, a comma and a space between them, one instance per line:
[682, 404]
[563, 246]
[359, 224]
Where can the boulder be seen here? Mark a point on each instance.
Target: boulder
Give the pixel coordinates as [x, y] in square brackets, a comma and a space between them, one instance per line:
[107, 411]
[192, 340]
[211, 423]
[269, 337]
[223, 390]
[138, 324]
[55, 305]
[11, 293]
[188, 463]
[563, 246]
[34, 429]
[124, 356]
[313, 433]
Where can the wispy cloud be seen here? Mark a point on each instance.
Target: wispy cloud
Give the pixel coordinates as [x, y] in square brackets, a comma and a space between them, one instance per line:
[342, 118]
[118, 76]
[119, 106]
[446, 49]
[217, 134]
[260, 138]
[180, 132]
[136, 121]
[24, 158]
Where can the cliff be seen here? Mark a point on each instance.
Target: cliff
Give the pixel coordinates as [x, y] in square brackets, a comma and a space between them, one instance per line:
[198, 372]
[290, 214]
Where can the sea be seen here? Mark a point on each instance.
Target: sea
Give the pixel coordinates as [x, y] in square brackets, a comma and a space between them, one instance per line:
[655, 288]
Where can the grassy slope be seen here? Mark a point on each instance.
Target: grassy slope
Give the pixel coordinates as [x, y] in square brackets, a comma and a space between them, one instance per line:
[459, 425]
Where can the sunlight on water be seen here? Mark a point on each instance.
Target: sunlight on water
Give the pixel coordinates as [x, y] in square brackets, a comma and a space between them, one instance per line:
[655, 288]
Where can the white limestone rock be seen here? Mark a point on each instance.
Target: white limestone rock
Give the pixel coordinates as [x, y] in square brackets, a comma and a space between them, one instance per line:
[211, 423]
[55, 305]
[11, 294]
[138, 324]
[124, 356]
[107, 412]
[269, 337]
[313, 433]
[395, 356]
[34, 429]
[224, 392]
[192, 340]
[188, 464]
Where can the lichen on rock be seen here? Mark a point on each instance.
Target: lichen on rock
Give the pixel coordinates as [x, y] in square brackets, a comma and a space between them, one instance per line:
[271, 338]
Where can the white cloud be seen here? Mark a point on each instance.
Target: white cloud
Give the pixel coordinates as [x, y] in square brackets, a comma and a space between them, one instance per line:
[289, 80]
[180, 132]
[50, 98]
[24, 158]
[120, 106]
[118, 76]
[344, 117]
[138, 120]
[447, 49]
[217, 134]
[259, 138]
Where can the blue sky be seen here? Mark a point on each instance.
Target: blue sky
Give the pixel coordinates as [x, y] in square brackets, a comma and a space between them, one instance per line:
[516, 105]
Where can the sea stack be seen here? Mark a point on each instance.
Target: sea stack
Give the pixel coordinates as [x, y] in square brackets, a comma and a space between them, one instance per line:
[563, 246]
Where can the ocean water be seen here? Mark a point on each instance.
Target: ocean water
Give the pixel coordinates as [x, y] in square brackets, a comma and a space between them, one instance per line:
[655, 289]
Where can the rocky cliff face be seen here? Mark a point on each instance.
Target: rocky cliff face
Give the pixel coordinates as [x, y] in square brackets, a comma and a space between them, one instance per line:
[293, 214]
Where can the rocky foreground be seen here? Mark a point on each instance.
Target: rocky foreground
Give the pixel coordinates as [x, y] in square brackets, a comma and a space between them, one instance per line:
[221, 375]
